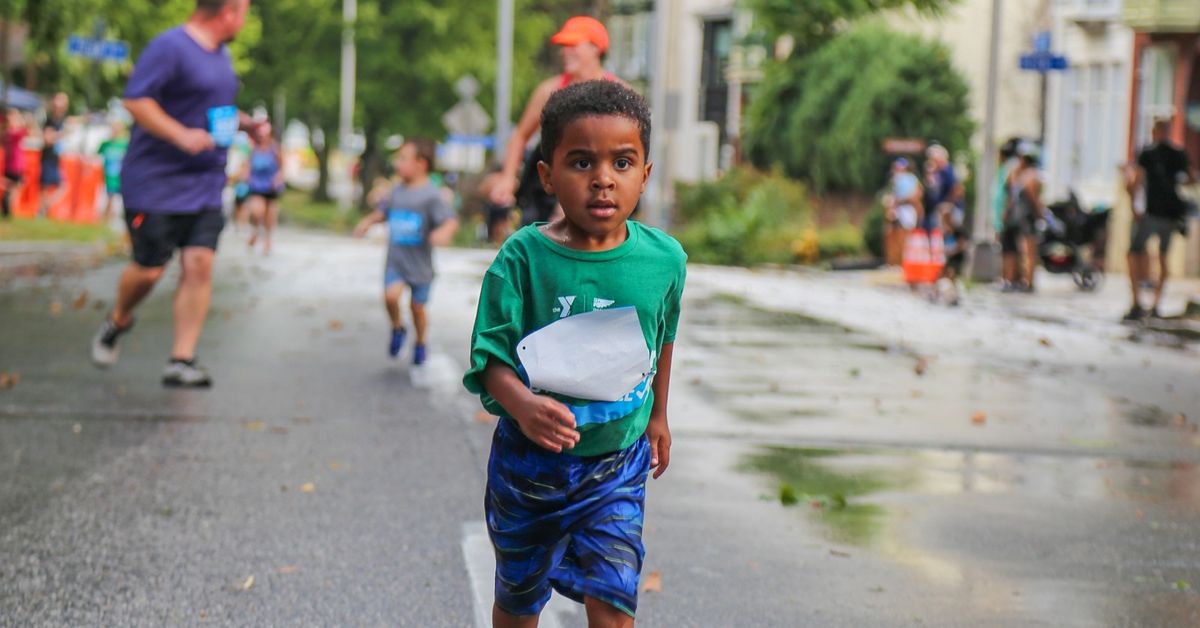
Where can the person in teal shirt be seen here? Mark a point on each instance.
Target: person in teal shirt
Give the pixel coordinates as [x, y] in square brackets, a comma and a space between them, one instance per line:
[572, 347]
[112, 153]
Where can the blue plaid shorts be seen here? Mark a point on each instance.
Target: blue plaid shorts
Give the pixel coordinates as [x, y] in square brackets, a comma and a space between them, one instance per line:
[568, 523]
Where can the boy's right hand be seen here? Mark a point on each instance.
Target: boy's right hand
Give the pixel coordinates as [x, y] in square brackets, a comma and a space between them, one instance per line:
[548, 423]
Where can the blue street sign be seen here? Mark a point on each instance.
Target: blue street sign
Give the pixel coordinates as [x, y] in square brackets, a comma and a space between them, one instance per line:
[486, 141]
[1043, 62]
[97, 49]
[1041, 42]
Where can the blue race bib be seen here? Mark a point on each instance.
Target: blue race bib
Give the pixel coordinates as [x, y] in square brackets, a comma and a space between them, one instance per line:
[223, 125]
[406, 227]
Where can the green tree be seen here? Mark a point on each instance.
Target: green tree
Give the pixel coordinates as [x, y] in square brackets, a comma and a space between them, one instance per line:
[822, 117]
[811, 23]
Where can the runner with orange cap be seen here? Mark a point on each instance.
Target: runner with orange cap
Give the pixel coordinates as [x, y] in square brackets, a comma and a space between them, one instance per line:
[584, 41]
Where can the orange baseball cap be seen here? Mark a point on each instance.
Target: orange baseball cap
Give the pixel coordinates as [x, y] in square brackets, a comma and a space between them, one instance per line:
[579, 29]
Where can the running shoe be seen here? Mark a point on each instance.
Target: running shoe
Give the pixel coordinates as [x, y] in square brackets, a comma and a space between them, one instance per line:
[106, 344]
[418, 355]
[185, 374]
[1134, 315]
[397, 342]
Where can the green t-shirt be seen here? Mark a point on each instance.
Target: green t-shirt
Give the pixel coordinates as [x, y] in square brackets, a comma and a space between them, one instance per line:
[112, 152]
[533, 279]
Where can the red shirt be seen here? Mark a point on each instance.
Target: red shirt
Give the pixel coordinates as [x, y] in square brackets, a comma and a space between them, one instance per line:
[14, 155]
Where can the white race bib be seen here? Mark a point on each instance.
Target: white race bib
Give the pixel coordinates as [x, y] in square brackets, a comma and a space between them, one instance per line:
[599, 355]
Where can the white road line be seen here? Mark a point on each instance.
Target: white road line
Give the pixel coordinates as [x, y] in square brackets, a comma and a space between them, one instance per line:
[481, 569]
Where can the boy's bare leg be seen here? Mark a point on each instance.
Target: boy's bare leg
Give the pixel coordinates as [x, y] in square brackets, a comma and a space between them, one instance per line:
[420, 321]
[1162, 281]
[1031, 259]
[254, 211]
[501, 619]
[604, 615]
[269, 222]
[1137, 263]
[136, 282]
[191, 300]
[391, 300]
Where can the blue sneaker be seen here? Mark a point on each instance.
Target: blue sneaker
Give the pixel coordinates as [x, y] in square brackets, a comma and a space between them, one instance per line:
[418, 355]
[397, 342]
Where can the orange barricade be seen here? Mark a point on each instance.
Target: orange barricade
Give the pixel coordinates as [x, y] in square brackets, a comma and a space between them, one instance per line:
[81, 181]
[924, 256]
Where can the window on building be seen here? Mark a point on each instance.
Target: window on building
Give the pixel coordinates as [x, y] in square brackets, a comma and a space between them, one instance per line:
[1156, 90]
[714, 90]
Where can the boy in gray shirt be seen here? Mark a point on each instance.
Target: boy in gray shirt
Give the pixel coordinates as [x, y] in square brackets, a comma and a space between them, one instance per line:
[418, 219]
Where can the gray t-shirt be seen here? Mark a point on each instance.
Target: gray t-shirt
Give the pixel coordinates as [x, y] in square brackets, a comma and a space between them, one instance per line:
[411, 214]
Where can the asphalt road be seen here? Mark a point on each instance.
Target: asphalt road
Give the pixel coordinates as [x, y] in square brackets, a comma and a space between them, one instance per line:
[319, 483]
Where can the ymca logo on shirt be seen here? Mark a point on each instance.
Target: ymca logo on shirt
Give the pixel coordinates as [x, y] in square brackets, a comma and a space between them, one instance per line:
[406, 227]
[565, 304]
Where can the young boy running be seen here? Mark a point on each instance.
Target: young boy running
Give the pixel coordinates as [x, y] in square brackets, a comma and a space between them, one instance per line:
[418, 219]
[572, 348]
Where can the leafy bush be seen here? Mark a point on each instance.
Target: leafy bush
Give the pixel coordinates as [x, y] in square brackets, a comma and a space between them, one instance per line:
[841, 240]
[746, 217]
[822, 116]
[873, 229]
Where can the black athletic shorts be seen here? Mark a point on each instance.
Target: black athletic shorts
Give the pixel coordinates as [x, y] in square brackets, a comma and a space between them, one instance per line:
[156, 235]
[270, 196]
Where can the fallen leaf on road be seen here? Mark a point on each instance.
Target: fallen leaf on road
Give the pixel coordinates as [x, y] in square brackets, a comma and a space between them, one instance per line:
[855, 372]
[80, 301]
[876, 589]
[1139, 514]
[833, 552]
[287, 569]
[302, 420]
[1044, 341]
[254, 426]
[308, 487]
[652, 583]
[916, 394]
[1182, 585]
[122, 391]
[979, 418]
[1180, 419]
[277, 429]
[76, 429]
[335, 324]
[248, 583]
[55, 308]
[8, 380]
[920, 366]
[483, 416]
[787, 495]
[335, 466]
[773, 387]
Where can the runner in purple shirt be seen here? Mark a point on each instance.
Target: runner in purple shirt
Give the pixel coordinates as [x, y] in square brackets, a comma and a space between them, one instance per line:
[181, 96]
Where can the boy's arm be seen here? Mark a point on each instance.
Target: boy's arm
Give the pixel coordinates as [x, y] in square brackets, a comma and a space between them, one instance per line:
[442, 235]
[657, 430]
[542, 419]
[361, 228]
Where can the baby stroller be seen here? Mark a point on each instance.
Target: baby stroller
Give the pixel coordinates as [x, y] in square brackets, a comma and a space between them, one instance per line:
[1073, 241]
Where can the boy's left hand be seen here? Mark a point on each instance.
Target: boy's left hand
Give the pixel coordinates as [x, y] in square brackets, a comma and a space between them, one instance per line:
[660, 445]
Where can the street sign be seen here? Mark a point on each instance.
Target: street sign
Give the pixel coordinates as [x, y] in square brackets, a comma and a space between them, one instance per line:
[1042, 59]
[903, 145]
[1041, 42]
[1043, 62]
[97, 49]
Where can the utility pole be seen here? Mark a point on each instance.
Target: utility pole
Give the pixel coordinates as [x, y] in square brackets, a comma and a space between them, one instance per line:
[346, 108]
[657, 193]
[983, 250]
[504, 53]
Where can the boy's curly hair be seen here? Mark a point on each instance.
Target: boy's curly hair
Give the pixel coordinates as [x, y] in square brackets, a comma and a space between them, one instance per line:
[591, 98]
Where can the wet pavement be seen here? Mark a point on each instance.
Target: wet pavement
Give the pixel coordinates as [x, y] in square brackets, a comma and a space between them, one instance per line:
[845, 455]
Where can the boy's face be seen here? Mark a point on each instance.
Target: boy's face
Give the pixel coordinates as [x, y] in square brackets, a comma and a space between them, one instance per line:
[408, 165]
[598, 171]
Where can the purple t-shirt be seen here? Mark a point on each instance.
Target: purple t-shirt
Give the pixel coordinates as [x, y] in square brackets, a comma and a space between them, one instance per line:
[197, 87]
